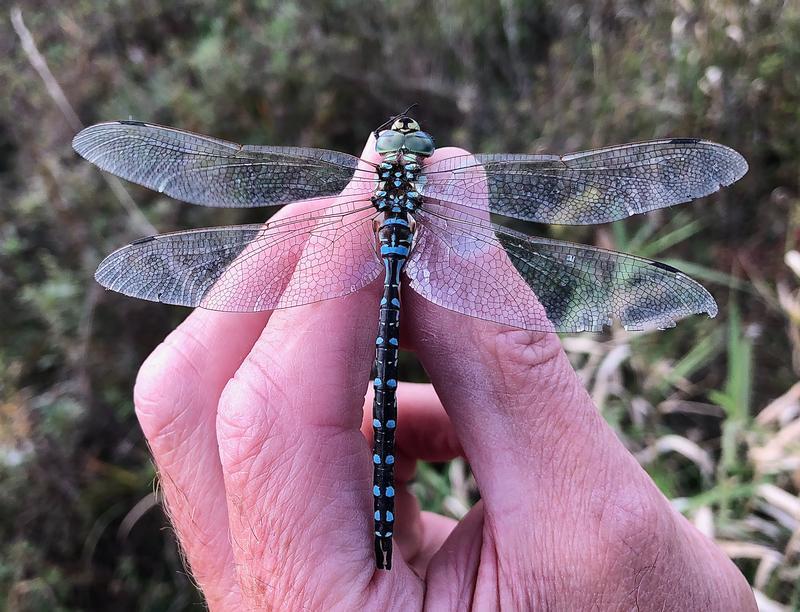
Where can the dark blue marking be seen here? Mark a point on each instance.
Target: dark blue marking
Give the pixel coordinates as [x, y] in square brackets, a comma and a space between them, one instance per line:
[391, 383]
[394, 341]
[389, 459]
[391, 424]
[395, 301]
[376, 459]
[377, 382]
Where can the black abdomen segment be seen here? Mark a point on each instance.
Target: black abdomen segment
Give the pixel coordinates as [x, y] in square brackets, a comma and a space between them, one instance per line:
[395, 238]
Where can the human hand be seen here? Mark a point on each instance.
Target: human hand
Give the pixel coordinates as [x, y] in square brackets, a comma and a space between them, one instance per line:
[256, 425]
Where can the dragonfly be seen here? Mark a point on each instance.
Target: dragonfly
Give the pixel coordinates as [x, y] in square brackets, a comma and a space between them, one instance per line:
[439, 227]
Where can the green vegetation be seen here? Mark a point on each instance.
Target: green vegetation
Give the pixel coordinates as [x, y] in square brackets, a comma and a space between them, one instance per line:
[710, 407]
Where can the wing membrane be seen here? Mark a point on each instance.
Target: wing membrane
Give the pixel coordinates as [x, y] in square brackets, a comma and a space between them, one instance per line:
[490, 272]
[590, 187]
[212, 172]
[247, 268]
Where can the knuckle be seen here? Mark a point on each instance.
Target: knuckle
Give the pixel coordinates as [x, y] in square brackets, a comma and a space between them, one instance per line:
[528, 366]
[243, 428]
[257, 447]
[525, 348]
[164, 391]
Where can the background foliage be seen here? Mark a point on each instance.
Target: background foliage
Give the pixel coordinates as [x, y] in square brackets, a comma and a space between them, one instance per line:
[711, 408]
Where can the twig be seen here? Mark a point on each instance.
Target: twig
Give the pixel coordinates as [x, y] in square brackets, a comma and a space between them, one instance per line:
[40, 65]
[55, 92]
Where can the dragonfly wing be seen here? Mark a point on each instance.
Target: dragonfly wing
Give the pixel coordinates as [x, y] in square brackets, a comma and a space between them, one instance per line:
[246, 268]
[590, 187]
[486, 271]
[212, 172]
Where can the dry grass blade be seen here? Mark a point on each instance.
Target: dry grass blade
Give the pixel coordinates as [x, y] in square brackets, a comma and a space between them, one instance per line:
[780, 453]
[683, 446]
[768, 559]
[783, 409]
[765, 604]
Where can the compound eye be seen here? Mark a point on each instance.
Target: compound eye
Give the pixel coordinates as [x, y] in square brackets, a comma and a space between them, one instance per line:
[389, 141]
[420, 143]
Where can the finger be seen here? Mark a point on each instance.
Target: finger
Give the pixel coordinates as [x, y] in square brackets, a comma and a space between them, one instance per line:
[517, 406]
[297, 468]
[452, 570]
[176, 396]
[424, 431]
[520, 412]
[436, 529]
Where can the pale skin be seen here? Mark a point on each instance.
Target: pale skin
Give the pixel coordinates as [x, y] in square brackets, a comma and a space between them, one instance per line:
[260, 430]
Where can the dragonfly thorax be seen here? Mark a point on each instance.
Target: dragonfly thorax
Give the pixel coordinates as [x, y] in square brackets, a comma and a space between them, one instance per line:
[399, 184]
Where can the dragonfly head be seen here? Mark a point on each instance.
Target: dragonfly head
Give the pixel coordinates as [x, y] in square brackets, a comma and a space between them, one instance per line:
[405, 125]
[405, 136]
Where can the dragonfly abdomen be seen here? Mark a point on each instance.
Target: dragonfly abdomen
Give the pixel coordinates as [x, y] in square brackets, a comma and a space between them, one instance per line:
[395, 236]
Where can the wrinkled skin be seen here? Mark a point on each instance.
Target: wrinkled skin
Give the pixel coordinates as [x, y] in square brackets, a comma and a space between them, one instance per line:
[260, 430]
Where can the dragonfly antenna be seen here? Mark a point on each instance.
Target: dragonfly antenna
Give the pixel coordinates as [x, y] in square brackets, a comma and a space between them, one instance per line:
[391, 119]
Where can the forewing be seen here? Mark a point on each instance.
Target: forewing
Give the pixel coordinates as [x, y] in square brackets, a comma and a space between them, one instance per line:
[486, 271]
[212, 172]
[247, 268]
[590, 187]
